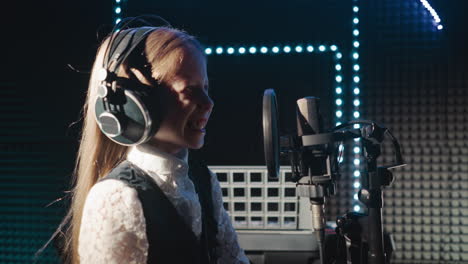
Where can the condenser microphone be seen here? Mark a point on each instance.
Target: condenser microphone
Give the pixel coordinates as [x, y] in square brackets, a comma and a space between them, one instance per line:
[309, 120]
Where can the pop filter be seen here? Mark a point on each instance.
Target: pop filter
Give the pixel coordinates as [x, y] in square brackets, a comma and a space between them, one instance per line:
[270, 133]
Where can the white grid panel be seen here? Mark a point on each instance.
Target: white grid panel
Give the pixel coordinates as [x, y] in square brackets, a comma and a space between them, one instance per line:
[255, 202]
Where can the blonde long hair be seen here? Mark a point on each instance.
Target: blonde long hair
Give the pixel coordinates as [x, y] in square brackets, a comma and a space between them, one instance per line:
[98, 155]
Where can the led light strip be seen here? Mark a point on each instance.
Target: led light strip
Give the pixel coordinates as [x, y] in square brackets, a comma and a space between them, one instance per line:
[299, 49]
[437, 21]
[117, 11]
[356, 102]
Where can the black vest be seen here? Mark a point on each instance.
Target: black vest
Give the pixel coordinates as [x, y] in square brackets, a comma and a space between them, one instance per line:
[170, 239]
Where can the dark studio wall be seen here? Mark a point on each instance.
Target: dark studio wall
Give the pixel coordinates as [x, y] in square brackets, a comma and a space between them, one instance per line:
[414, 80]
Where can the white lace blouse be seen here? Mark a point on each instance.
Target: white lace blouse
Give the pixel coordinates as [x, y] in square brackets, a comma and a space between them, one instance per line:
[113, 228]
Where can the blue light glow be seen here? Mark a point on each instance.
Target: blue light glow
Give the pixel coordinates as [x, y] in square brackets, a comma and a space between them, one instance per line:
[357, 208]
[338, 78]
[275, 49]
[357, 162]
[230, 50]
[252, 50]
[338, 67]
[356, 102]
[322, 48]
[219, 50]
[433, 13]
[339, 55]
[117, 20]
[356, 126]
[356, 67]
[356, 32]
[355, 55]
[355, 197]
[356, 184]
[298, 49]
[339, 102]
[287, 49]
[337, 123]
[356, 44]
[356, 150]
[357, 174]
[355, 9]
[241, 50]
[263, 49]
[333, 47]
[356, 91]
[310, 48]
[338, 90]
[356, 79]
[208, 51]
[339, 114]
[356, 114]
[356, 20]
[118, 10]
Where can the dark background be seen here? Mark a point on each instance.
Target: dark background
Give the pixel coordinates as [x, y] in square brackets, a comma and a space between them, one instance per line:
[413, 79]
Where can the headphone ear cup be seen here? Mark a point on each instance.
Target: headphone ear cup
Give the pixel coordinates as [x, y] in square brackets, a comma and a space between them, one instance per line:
[137, 123]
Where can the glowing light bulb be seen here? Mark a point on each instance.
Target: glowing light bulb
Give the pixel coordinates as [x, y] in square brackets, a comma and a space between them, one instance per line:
[338, 67]
[356, 32]
[356, 114]
[356, 185]
[322, 48]
[357, 173]
[263, 49]
[356, 150]
[252, 50]
[356, 67]
[310, 48]
[219, 50]
[339, 102]
[118, 10]
[338, 90]
[287, 49]
[298, 49]
[333, 47]
[275, 49]
[356, 102]
[356, 90]
[230, 50]
[357, 208]
[338, 78]
[356, 162]
[241, 50]
[208, 51]
[339, 114]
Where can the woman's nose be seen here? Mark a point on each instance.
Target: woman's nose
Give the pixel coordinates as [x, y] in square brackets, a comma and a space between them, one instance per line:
[206, 103]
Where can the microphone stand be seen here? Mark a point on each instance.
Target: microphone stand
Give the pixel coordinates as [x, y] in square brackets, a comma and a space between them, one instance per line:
[364, 233]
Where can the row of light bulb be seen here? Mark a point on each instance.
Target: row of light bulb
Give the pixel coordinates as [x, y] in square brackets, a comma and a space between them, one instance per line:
[437, 20]
[117, 11]
[274, 49]
[356, 102]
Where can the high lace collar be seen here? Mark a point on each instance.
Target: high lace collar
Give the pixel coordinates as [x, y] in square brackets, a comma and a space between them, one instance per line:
[151, 159]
